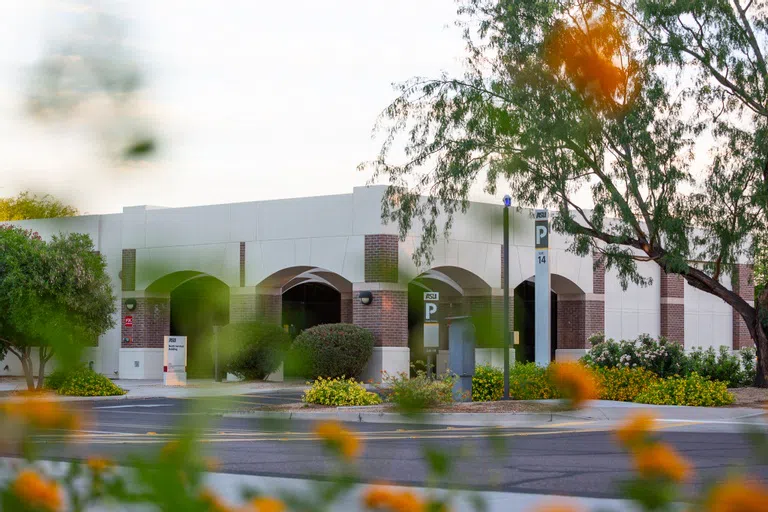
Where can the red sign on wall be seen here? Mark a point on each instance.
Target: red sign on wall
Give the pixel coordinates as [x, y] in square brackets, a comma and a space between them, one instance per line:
[129, 321]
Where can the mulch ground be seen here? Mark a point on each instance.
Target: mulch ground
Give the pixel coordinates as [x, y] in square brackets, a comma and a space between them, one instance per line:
[750, 397]
[512, 406]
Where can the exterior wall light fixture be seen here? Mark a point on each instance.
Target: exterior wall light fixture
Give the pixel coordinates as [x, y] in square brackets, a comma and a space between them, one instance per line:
[130, 304]
[366, 298]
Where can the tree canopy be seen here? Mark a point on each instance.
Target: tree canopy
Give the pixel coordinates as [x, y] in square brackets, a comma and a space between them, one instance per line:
[30, 206]
[596, 109]
[54, 295]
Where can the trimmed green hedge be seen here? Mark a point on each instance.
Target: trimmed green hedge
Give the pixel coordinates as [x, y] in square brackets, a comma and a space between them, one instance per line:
[691, 390]
[252, 350]
[339, 392]
[332, 350]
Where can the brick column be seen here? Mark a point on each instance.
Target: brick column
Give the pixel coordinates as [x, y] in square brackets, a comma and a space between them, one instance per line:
[250, 304]
[672, 289]
[151, 321]
[387, 315]
[346, 307]
[128, 272]
[744, 285]
[594, 308]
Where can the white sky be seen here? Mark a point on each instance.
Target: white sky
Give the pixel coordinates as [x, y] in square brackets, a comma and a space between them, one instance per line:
[252, 99]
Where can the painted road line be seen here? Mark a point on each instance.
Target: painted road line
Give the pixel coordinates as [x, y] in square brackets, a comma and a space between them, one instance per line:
[132, 405]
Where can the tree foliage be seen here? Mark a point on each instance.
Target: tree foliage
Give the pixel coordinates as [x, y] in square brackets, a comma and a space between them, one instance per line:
[564, 100]
[31, 206]
[54, 295]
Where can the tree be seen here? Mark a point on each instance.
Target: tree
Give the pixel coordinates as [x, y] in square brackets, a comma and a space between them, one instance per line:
[54, 295]
[30, 206]
[608, 99]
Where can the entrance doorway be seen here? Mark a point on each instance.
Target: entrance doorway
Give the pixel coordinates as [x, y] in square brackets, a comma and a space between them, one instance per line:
[197, 305]
[525, 322]
[309, 304]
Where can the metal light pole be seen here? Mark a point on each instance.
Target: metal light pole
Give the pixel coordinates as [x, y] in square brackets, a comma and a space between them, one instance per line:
[505, 329]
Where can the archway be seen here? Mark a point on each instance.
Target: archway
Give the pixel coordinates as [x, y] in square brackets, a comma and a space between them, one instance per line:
[525, 315]
[461, 293]
[198, 302]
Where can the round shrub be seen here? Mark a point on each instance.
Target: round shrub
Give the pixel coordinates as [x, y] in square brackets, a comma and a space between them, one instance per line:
[339, 392]
[86, 382]
[691, 390]
[623, 384]
[528, 381]
[252, 350]
[56, 378]
[661, 356]
[333, 350]
[487, 384]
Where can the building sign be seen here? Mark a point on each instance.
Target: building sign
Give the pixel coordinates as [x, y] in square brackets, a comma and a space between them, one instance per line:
[542, 280]
[431, 325]
[175, 360]
[129, 321]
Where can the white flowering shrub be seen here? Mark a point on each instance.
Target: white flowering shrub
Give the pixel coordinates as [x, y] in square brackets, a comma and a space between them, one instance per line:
[661, 356]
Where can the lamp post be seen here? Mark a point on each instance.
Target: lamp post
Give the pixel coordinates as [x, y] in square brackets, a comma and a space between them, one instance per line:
[505, 329]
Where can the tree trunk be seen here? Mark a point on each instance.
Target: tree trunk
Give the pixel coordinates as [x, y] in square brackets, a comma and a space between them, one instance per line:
[44, 357]
[760, 336]
[26, 365]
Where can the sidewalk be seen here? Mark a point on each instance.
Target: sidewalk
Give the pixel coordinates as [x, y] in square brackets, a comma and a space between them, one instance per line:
[196, 388]
[596, 413]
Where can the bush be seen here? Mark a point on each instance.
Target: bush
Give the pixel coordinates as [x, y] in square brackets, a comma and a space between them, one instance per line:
[528, 381]
[419, 392]
[86, 382]
[735, 370]
[661, 356]
[691, 390]
[56, 378]
[487, 384]
[333, 350]
[623, 384]
[252, 350]
[339, 391]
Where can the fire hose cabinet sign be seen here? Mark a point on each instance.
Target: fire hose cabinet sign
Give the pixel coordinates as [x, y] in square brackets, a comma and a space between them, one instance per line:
[175, 360]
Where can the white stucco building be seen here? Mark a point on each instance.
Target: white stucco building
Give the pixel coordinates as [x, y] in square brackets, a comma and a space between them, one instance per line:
[273, 259]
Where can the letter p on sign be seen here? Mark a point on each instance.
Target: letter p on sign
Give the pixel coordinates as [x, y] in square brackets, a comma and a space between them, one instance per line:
[430, 308]
[541, 233]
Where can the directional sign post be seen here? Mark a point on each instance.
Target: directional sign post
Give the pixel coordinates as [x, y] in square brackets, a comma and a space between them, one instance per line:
[431, 326]
[542, 279]
[175, 360]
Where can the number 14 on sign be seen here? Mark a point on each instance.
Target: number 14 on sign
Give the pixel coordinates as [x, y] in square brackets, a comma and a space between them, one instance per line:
[541, 257]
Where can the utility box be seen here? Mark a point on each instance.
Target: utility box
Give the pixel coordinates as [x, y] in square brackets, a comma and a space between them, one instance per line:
[461, 346]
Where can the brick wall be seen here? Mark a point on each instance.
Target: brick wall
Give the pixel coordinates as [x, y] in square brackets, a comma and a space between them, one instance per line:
[242, 308]
[128, 273]
[151, 323]
[242, 264]
[269, 307]
[577, 319]
[346, 308]
[386, 317]
[250, 307]
[598, 274]
[381, 257]
[744, 285]
[672, 309]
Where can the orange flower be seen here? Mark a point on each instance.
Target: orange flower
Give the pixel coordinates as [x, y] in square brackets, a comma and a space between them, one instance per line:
[99, 464]
[341, 439]
[661, 460]
[40, 411]
[214, 502]
[556, 507]
[37, 492]
[738, 496]
[575, 381]
[635, 429]
[380, 497]
[267, 504]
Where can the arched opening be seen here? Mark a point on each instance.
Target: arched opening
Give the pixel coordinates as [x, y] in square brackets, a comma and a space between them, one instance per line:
[310, 296]
[525, 314]
[461, 293]
[198, 302]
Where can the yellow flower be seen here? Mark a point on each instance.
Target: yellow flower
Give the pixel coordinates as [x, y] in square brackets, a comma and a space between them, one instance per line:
[340, 438]
[37, 492]
[267, 504]
[635, 429]
[661, 460]
[381, 497]
[575, 381]
[738, 496]
[99, 464]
